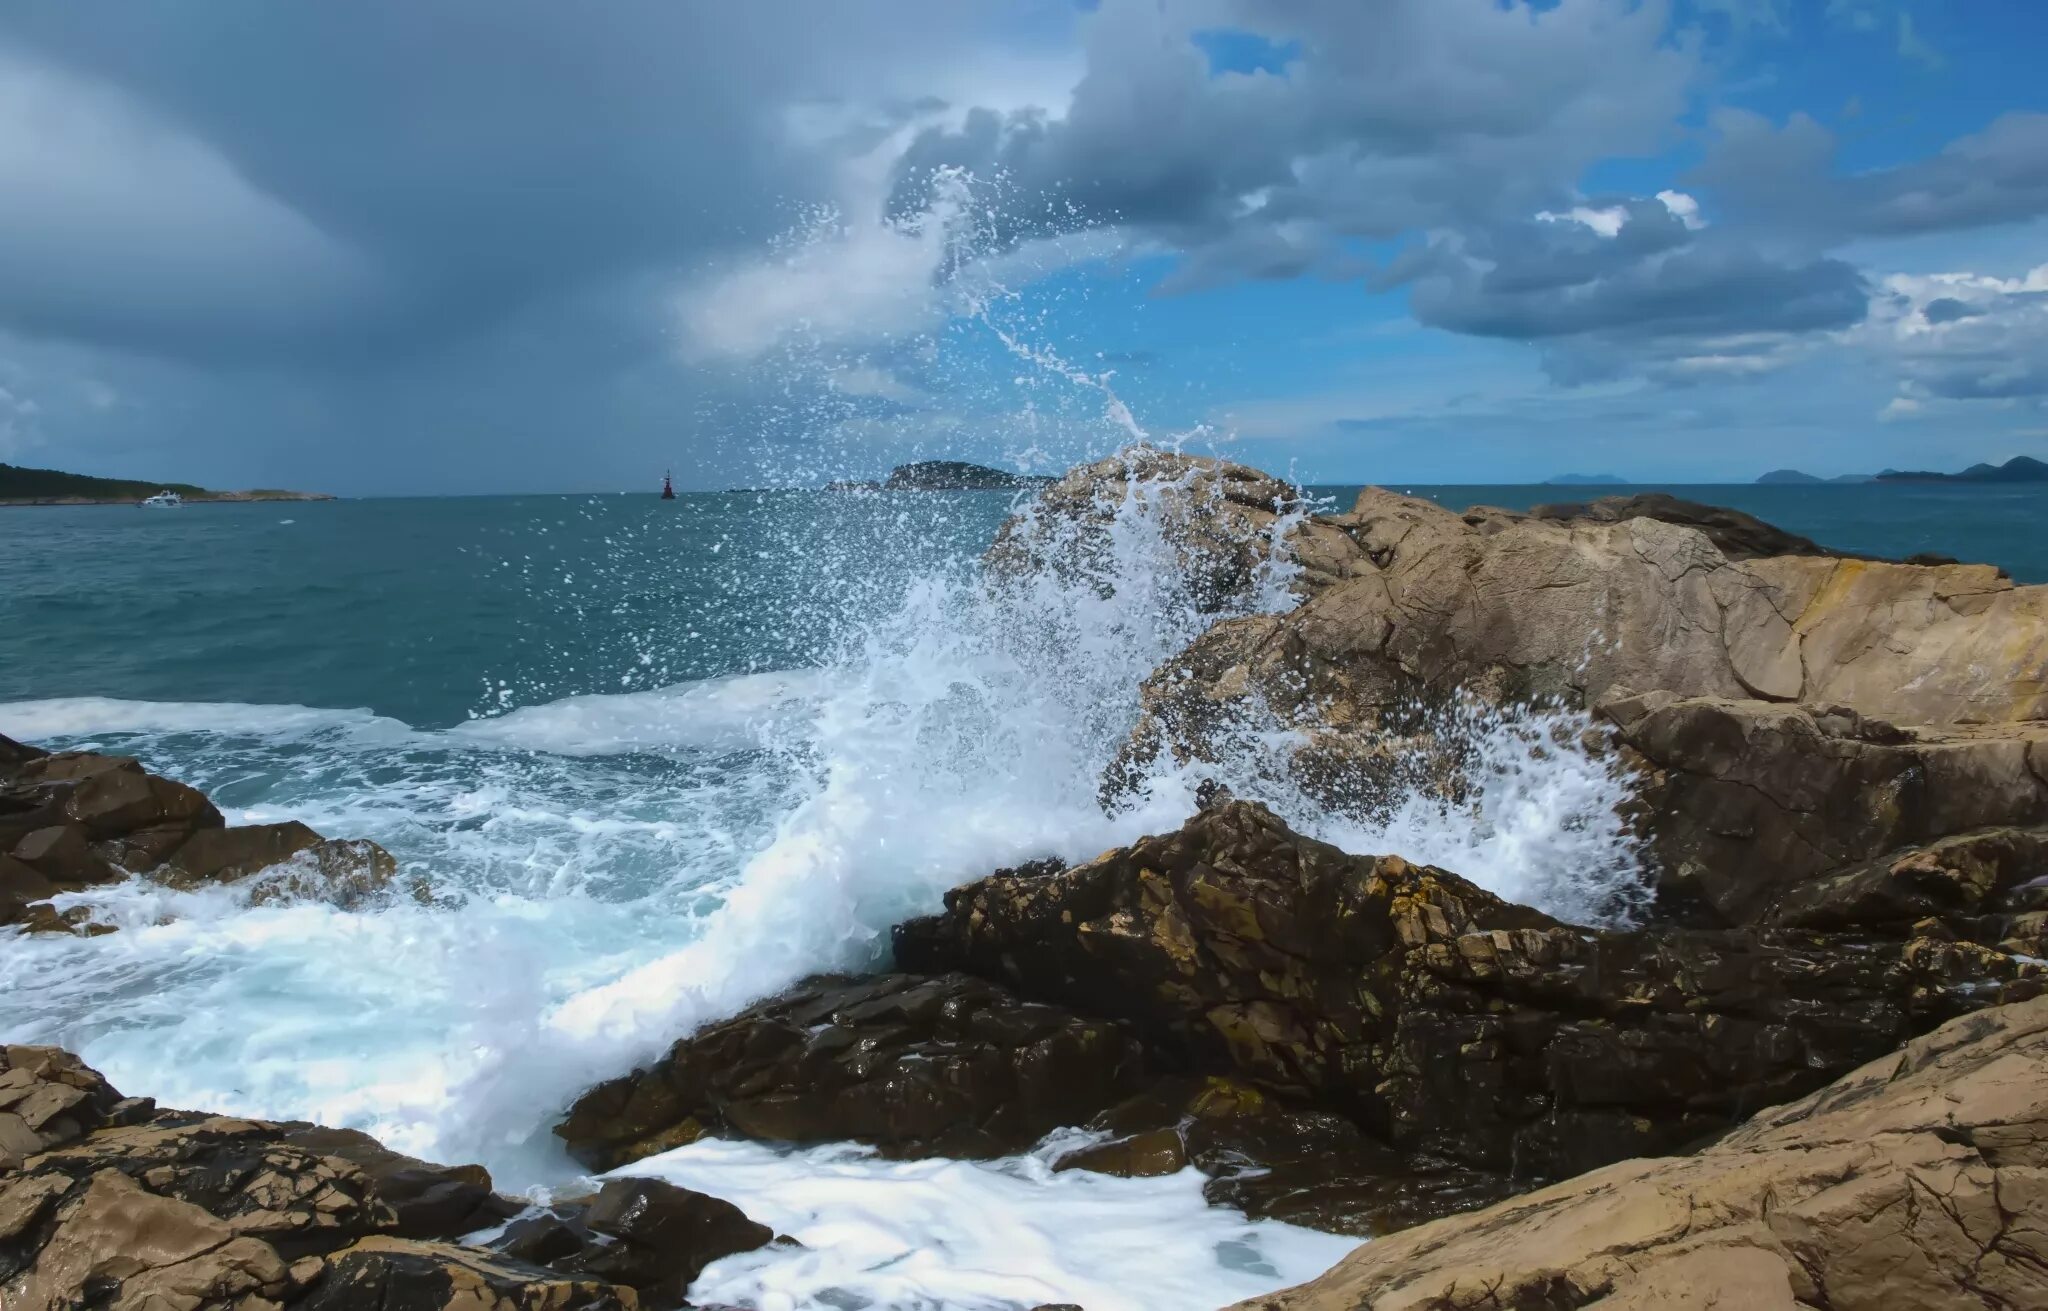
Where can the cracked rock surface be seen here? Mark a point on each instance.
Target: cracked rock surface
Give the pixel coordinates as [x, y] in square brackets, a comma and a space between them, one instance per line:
[1917, 1181]
[1466, 1031]
[110, 1202]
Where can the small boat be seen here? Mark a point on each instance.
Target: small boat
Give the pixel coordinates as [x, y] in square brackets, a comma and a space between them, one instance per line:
[668, 488]
[165, 500]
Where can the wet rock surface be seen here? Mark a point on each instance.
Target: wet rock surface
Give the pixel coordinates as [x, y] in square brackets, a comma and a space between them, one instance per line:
[74, 820]
[1463, 1030]
[915, 1066]
[1821, 817]
[1411, 607]
[110, 1201]
[1919, 1180]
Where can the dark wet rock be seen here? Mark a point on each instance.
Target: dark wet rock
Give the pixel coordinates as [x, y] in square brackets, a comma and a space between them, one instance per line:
[940, 1066]
[75, 820]
[1915, 1181]
[427, 1200]
[1273, 1159]
[645, 1233]
[401, 1275]
[1819, 817]
[1465, 1031]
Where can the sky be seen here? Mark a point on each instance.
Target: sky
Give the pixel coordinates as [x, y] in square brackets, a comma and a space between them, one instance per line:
[520, 245]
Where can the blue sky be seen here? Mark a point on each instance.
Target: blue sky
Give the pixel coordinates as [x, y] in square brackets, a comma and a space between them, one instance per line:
[392, 248]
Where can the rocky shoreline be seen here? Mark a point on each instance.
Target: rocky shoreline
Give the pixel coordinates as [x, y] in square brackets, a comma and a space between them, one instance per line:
[1807, 1067]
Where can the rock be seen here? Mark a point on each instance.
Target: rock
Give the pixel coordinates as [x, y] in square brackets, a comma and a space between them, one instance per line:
[49, 1098]
[75, 820]
[945, 1066]
[1275, 1160]
[225, 854]
[1218, 519]
[648, 1234]
[1410, 606]
[1465, 1031]
[108, 1201]
[1755, 812]
[400, 1275]
[426, 1200]
[1919, 1180]
[62, 855]
[1736, 535]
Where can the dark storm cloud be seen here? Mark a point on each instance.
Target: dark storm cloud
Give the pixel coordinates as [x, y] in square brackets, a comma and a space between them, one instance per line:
[1652, 278]
[250, 179]
[1388, 117]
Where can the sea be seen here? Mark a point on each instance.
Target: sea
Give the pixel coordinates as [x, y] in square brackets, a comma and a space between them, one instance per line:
[657, 760]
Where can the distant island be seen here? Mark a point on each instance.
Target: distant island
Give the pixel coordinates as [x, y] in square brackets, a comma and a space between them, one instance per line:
[1585, 480]
[943, 476]
[2019, 469]
[19, 486]
[1793, 477]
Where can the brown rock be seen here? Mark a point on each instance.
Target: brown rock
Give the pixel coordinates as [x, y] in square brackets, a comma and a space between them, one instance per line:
[106, 1201]
[395, 1274]
[945, 1066]
[653, 1236]
[1411, 607]
[1759, 812]
[1464, 1030]
[62, 854]
[1920, 1180]
[225, 854]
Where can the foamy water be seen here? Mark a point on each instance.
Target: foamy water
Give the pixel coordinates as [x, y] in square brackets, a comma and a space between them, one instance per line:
[611, 871]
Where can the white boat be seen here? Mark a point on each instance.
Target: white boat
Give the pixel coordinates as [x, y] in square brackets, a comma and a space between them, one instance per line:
[166, 500]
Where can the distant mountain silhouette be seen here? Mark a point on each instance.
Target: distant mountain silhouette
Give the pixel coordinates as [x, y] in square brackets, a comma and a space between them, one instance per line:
[2019, 469]
[1794, 477]
[1585, 480]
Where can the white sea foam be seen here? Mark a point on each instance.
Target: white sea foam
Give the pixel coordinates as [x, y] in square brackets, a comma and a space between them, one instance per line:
[996, 1235]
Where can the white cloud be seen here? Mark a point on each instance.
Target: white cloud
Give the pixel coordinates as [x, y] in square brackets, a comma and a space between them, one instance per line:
[1609, 221]
[19, 429]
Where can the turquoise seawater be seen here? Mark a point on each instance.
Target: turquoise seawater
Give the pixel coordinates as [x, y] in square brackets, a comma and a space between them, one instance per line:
[431, 610]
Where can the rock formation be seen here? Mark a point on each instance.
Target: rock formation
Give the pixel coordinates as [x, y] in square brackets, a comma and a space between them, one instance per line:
[75, 820]
[1462, 1029]
[1920, 1180]
[943, 1066]
[108, 1201]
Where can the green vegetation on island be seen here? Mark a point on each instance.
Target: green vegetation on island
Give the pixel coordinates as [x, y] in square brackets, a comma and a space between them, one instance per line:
[22, 486]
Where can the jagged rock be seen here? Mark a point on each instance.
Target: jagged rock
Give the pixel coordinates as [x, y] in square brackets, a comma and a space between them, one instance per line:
[1736, 535]
[400, 1275]
[1410, 606]
[944, 1066]
[1218, 518]
[1464, 1030]
[75, 820]
[427, 1200]
[1274, 1160]
[108, 1201]
[1810, 815]
[645, 1233]
[1920, 1180]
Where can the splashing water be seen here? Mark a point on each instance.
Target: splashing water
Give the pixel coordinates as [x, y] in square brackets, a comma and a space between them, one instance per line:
[613, 869]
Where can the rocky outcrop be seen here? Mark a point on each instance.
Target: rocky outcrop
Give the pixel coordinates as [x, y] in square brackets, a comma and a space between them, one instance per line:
[1461, 1029]
[74, 820]
[1819, 817]
[1920, 1180]
[1527, 608]
[1227, 525]
[944, 1066]
[1734, 534]
[110, 1201]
